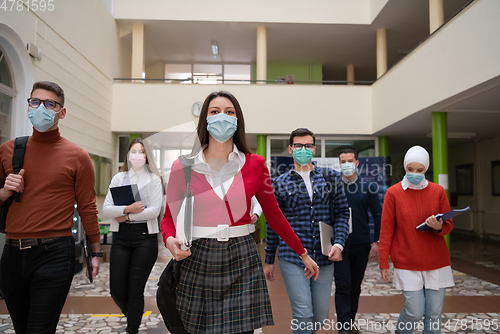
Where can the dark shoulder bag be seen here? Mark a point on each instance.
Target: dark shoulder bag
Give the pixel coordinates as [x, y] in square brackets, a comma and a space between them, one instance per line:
[17, 165]
[169, 279]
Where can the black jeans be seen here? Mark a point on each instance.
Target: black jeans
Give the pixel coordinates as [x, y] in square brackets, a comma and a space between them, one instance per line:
[36, 282]
[349, 275]
[133, 255]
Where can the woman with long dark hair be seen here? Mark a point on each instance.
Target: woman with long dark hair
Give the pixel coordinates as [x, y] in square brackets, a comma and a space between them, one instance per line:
[135, 243]
[222, 287]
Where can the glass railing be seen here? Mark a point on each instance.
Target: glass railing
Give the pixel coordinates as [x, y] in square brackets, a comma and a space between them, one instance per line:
[191, 81]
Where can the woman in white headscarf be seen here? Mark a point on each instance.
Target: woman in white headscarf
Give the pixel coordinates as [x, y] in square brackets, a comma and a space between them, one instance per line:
[421, 258]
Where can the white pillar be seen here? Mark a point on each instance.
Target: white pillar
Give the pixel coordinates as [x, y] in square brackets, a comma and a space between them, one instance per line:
[381, 52]
[261, 54]
[350, 74]
[436, 14]
[137, 50]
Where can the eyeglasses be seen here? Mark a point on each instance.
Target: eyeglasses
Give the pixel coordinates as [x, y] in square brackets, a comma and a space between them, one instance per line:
[50, 104]
[298, 146]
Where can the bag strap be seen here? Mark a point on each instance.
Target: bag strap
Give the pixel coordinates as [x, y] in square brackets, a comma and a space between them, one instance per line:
[18, 158]
[187, 163]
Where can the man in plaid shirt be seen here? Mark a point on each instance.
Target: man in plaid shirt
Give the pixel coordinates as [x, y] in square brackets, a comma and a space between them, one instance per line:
[303, 195]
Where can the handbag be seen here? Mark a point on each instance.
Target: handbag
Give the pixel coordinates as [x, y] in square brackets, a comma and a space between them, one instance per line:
[17, 165]
[169, 280]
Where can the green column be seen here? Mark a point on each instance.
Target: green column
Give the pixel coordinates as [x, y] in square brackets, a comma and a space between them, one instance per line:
[133, 136]
[262, 150]
[383, 146]
[440, 152]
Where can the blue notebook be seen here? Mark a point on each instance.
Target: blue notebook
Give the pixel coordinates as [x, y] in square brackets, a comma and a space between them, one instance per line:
[125, 195]
[445, 216]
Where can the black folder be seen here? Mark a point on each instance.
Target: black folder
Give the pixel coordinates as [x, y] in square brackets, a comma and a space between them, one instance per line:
[125, 195]
[446, 216]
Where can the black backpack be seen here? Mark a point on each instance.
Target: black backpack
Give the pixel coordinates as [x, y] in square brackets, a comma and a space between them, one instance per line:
[17, 165]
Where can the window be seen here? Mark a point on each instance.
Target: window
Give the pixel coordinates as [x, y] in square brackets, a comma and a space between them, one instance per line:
[465, 180]
[6, 94]
[5, 77]
[234, 73]
[5, 117]
[123, 142]
[178, 73]
[208, 73]
[495, 178]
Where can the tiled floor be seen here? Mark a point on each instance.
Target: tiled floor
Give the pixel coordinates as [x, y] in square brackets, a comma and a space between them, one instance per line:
[472, 306]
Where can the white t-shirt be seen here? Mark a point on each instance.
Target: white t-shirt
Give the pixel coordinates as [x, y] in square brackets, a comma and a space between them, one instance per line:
[307, 181]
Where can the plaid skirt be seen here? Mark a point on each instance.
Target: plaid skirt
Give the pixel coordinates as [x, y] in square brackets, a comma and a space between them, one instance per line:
[222, 288]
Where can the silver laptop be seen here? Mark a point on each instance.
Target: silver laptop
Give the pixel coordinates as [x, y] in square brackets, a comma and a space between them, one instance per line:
[326, 234]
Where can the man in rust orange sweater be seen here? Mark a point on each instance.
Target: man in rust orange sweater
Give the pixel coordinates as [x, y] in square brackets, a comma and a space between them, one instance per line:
[38, 260]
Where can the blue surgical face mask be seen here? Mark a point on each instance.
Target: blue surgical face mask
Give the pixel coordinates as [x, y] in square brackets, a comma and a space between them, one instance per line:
[303, 156]
[348, 168]
[41, 117]
[414, 178]
[222, 127]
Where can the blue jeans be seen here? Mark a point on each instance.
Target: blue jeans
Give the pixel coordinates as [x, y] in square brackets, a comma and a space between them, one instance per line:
[133, 255]
[36, 282]
[310, 299]
[422, 303]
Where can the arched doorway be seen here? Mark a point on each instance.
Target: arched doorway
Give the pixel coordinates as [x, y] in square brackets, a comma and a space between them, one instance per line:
[16, 81]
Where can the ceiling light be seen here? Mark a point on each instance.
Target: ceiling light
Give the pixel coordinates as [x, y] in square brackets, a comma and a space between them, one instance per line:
[215, 49]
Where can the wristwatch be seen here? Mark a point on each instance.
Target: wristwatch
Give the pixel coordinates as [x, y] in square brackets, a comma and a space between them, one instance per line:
[303, 255]
[97, 254]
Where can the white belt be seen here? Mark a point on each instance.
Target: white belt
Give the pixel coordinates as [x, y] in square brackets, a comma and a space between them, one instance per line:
[221, 232]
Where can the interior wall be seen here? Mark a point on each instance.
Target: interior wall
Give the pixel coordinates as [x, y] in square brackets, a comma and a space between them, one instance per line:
[490, 152]
[461, 155]
[485, 216]
[83, 56]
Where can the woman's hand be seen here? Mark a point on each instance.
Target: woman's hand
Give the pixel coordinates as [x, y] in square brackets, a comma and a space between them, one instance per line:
[174, 246]
[311, 269]
[385, 274]
[434, 223]
[136, 207]
[269, 272]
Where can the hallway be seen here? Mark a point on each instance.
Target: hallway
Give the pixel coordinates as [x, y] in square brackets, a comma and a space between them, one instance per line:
[474, 302]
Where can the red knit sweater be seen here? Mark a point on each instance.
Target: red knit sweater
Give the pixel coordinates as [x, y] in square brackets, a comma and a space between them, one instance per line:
[403, 211]
[210, 210]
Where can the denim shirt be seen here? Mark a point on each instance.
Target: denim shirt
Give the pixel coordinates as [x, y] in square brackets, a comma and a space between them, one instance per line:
[304, 214]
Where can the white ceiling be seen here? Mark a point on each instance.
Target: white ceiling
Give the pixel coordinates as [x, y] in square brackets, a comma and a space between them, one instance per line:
[333, 45]
[336, 45]
[474, 112]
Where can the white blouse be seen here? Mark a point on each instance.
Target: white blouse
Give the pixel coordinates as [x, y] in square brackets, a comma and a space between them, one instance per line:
[150, 190]
[224, 177]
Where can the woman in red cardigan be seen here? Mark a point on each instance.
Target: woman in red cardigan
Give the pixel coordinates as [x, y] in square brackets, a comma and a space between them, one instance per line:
[421, 258]
[222, 287]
